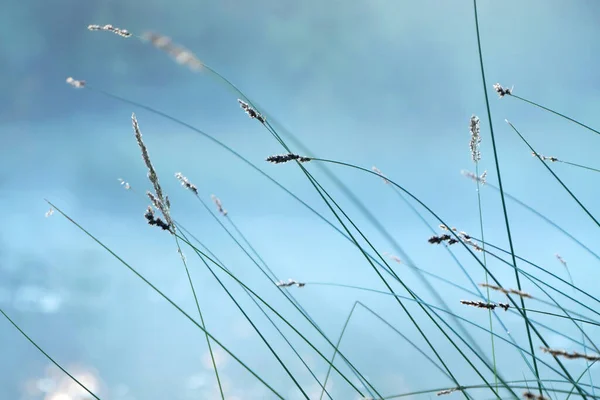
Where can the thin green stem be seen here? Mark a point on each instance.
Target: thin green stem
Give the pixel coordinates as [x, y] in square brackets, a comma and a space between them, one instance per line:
[212, 357]
[504, 210]
[555, 113]
[555, 176]
[335, 350]
[486, 275]
[265, 341]
[164, 296]
[256, 303]
[548, 220]
[47, 355]
[578, 165]
[587, 369]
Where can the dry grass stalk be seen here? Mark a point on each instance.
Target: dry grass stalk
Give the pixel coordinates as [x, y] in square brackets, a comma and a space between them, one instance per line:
[252, 113]
[75, 83]
[158, 199]
[378, 172]
[502, 91]
[109, 28]
[481, 304]
[180, 54]
[219, 205]
[289, 283]
[283, 158]
[475, 139]
[186, 183]
[530, 396]
[571, 356]
[506, 291]
[473, 176]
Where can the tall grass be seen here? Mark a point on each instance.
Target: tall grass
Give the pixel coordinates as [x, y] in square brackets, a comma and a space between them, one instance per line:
[467, 355]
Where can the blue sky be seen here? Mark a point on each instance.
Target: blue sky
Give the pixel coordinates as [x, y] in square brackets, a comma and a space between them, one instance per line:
[385, 83]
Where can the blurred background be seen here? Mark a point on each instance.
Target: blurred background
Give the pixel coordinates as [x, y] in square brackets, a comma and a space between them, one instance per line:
[381, 82]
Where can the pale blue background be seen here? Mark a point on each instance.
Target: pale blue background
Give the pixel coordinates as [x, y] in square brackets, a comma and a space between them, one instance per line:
[382, 82]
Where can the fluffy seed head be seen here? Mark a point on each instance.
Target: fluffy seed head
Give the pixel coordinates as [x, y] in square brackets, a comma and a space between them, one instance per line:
[186, 183]
[473, 176]
[160, 201]
[109, 28]
[283, 158]
[75, 83]
[544, 158]
[573, 355]
[219, 205]
[502, 91]
[475, 139]
[289, 283]
[180, 54]
[252, 113]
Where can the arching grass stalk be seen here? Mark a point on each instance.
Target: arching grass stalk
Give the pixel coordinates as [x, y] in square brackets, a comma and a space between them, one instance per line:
[212, 356]
[164, 296]
[505, 212]
[457, 238]
[555, 176]
[81, 385]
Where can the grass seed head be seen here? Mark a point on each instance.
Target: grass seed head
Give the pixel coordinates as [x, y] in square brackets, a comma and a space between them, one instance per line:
[283, 158]
[475, 139]
[75, 83]
[109, 28]
[186, 183]
[502, 91]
